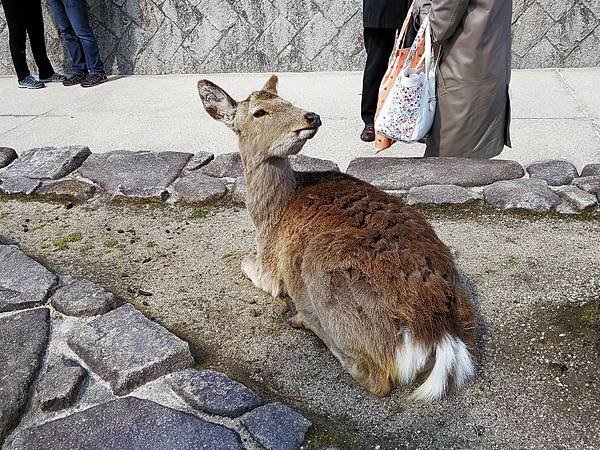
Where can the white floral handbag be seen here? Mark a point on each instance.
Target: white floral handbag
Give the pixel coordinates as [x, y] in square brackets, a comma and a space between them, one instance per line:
[408, 111]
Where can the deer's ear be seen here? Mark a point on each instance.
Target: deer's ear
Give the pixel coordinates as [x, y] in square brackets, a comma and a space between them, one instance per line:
[217, 102]
[271, 85]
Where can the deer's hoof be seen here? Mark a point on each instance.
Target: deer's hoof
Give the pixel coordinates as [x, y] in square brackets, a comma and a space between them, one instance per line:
[295, 322]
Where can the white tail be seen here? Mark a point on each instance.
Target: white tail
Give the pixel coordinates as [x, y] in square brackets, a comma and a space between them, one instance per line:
[452, 358]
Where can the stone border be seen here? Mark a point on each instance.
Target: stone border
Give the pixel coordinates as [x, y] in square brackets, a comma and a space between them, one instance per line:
[82, 368]
[74, 174]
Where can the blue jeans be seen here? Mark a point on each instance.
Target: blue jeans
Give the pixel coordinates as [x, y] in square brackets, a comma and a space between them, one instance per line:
[73, 21]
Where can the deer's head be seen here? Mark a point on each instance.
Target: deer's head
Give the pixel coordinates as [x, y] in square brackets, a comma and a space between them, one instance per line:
[266, 125]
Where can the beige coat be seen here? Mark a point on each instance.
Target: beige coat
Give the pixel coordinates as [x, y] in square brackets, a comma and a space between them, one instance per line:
[473, 115]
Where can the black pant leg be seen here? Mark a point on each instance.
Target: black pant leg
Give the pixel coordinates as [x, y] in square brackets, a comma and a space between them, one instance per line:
[379, 44]
[17, 35]
[35, 31]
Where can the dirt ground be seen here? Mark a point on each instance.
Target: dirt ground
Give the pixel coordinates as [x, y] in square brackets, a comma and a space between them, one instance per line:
[535, 280]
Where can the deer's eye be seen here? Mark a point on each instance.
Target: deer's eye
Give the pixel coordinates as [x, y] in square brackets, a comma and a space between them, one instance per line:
[260, 113]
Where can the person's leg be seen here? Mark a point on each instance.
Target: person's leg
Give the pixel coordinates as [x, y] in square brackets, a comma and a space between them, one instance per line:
[77, 11]
[78, 66]
[379, 44]
[17, 36]
[35, 31]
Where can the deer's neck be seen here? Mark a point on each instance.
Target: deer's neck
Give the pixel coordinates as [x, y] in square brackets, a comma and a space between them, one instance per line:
[269, 186]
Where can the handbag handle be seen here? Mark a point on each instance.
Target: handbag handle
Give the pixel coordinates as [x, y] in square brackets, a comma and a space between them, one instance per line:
[404, 29]
[428, 54]
[416, 44]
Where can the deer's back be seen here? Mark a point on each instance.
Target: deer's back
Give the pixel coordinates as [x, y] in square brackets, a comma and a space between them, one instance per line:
[382, 224]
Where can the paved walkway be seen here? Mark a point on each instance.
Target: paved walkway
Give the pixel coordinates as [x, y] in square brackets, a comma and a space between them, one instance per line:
[556, 114]
[80, 370]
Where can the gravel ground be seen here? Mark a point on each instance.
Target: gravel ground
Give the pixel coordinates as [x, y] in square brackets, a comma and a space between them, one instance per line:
[536, 281]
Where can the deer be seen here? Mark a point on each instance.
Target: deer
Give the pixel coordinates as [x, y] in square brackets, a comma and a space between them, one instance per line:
[366, 273]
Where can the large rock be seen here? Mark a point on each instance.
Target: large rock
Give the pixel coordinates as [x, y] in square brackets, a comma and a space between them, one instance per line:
[591, 170]
[276, 427]
[575, 199]
[228, 165]
[23, 341]
[214, 393]
[528, 193]
[303, 163]
[128, 423]
[75, 191]
[7, 155]
[83, 298]
[555, 172]
[24, 283]
[128, 350]
[135, 175]
[199, 159]
[440, 194]
[19, 186]
[589, 184]
[197, 188]
[405, 173]
[47, 163]
[59, 387]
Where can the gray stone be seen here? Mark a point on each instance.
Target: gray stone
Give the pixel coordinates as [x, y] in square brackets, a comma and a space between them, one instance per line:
[128, 423]
[303, 163]
[128, 350]
[276, 427]
[589, 184]
[19, 186]
[555, 172]
[75, 191]
[530, 28]
[197, 188]
[23, 341]
[59, 387]
[530, 194]
[441, 194]
[199, 159]
[228, 165]
[572, 28]
[146, 193]
[135, 175]
[565, 207]
[7, 155]
[47, 163]
[575, 198]
[405, 173]
[83, 298]
[24, 283]
[214, 393]
[591, 170]
[399, 193]
[238, 195]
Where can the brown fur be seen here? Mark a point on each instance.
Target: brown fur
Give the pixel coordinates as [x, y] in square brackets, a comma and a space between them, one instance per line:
[359, 264]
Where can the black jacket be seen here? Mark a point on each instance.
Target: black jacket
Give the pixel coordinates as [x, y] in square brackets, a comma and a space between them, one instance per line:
[384, 13]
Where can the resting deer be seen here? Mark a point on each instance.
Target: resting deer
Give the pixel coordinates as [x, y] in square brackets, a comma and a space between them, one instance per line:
[366, 273]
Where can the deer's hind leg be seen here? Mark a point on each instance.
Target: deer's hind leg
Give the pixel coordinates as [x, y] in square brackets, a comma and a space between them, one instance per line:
[363, 373]
[303, 320]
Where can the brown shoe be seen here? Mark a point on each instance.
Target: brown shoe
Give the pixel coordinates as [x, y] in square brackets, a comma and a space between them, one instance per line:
[368, 134]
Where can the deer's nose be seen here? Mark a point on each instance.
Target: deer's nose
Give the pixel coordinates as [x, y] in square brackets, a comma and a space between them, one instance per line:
[313, 119]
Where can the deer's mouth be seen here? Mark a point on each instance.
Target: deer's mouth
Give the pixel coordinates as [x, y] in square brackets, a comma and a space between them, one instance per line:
[307, 133]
